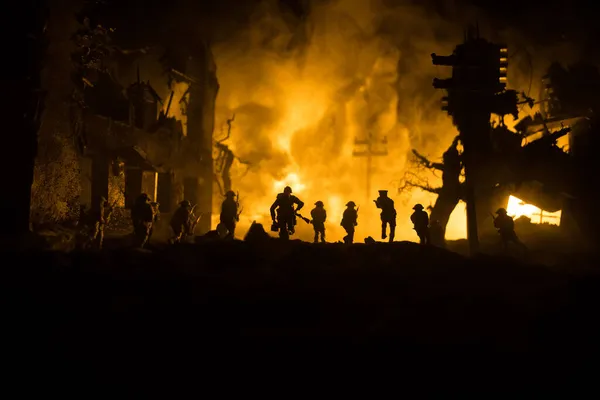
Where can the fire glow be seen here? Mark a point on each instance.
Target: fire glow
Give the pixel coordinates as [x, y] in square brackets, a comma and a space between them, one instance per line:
[517, 208]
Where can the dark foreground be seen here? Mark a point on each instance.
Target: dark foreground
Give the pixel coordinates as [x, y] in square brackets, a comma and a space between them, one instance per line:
[297, 310]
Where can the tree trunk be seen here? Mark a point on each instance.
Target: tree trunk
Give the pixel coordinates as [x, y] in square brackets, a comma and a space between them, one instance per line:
[22, 114]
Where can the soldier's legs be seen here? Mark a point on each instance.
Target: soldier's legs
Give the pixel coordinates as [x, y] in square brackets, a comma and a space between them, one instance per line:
[351, 236]
[283, 230]
[323, 235]
[383, 229]
[316, 239]
[230, 229]
[392, 231]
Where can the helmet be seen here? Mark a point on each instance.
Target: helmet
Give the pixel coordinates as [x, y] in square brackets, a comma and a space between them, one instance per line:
[287, 190]
[144, 196]
[230, 193]
[185, 203]
[418, 207]
[351, 204]
[501, 211]
[383, 192]
[103, 199]
[319, 203]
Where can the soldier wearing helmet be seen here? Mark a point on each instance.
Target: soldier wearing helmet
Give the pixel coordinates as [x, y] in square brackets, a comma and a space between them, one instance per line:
[181, 221]
[142, 217]
[388, 214]
[229, 214]
[349, 221]
[420, 220]
[319, 216]
[506, 228]
[286, 214]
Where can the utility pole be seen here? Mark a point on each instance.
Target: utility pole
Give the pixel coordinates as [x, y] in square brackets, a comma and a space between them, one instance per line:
[476, 90]
[369, 153]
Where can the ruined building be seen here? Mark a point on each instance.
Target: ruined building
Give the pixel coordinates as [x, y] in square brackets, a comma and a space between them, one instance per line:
[126, 134]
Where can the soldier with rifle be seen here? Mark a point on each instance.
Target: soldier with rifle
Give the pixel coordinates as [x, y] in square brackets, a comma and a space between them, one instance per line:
[505, 225]
[388, 214]
[319, 216]
[349, 222]
[286, 213]
[181, 221]
[420, 220]
[229, 214]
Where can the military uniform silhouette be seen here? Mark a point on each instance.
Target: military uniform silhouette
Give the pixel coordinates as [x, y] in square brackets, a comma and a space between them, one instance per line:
[229, 214]
[319, 216]
[286, 214]
[142, 217]
[506, 228]
[349, 222]
[388, 214]
[181, 221]
[420, 220]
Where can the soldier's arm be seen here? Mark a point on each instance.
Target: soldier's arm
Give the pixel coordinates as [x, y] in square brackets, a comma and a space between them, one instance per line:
[299, 202]
[324, 216]
[273, 207]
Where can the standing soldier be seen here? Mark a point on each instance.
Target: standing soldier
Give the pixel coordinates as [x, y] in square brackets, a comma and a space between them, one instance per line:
[349, 222]
[142, 218]
[229, 214]
[506, 228]
[181, 221]
[319, 216]
[286, 214]
[101, 221]
[388, 214]
[420, 220]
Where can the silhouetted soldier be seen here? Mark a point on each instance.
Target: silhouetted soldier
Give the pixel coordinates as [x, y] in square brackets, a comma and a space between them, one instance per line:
[181, 221]
[101, 221]
[388, 214]
[420, 220]
[349, 222]
[142, 218]
[229, 214]
[506, 228]
[286, 214]
[319, 216]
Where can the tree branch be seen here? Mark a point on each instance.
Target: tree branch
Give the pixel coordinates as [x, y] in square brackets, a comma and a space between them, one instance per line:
[422, 160]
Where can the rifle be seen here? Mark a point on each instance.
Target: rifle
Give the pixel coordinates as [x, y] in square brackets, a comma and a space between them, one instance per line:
[303, 218]
[237, 203]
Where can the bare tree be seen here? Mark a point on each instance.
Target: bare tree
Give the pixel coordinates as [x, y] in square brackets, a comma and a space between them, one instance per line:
[449, 194]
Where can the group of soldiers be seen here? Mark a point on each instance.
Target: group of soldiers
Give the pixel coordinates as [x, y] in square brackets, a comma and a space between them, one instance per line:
[286, 208]
[284, 213]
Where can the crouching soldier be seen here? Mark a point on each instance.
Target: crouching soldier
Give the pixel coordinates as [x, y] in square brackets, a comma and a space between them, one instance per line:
[506, 228]
[319, 216]
[349, 222]
[142, 217]
[181, 221]
[420, 220]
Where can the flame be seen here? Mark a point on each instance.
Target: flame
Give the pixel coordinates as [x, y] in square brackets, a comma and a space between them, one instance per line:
[299, 110]
[178, 108]
[516, 208]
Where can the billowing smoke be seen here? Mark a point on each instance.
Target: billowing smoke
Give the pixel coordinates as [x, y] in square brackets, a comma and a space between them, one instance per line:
[303, 90]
